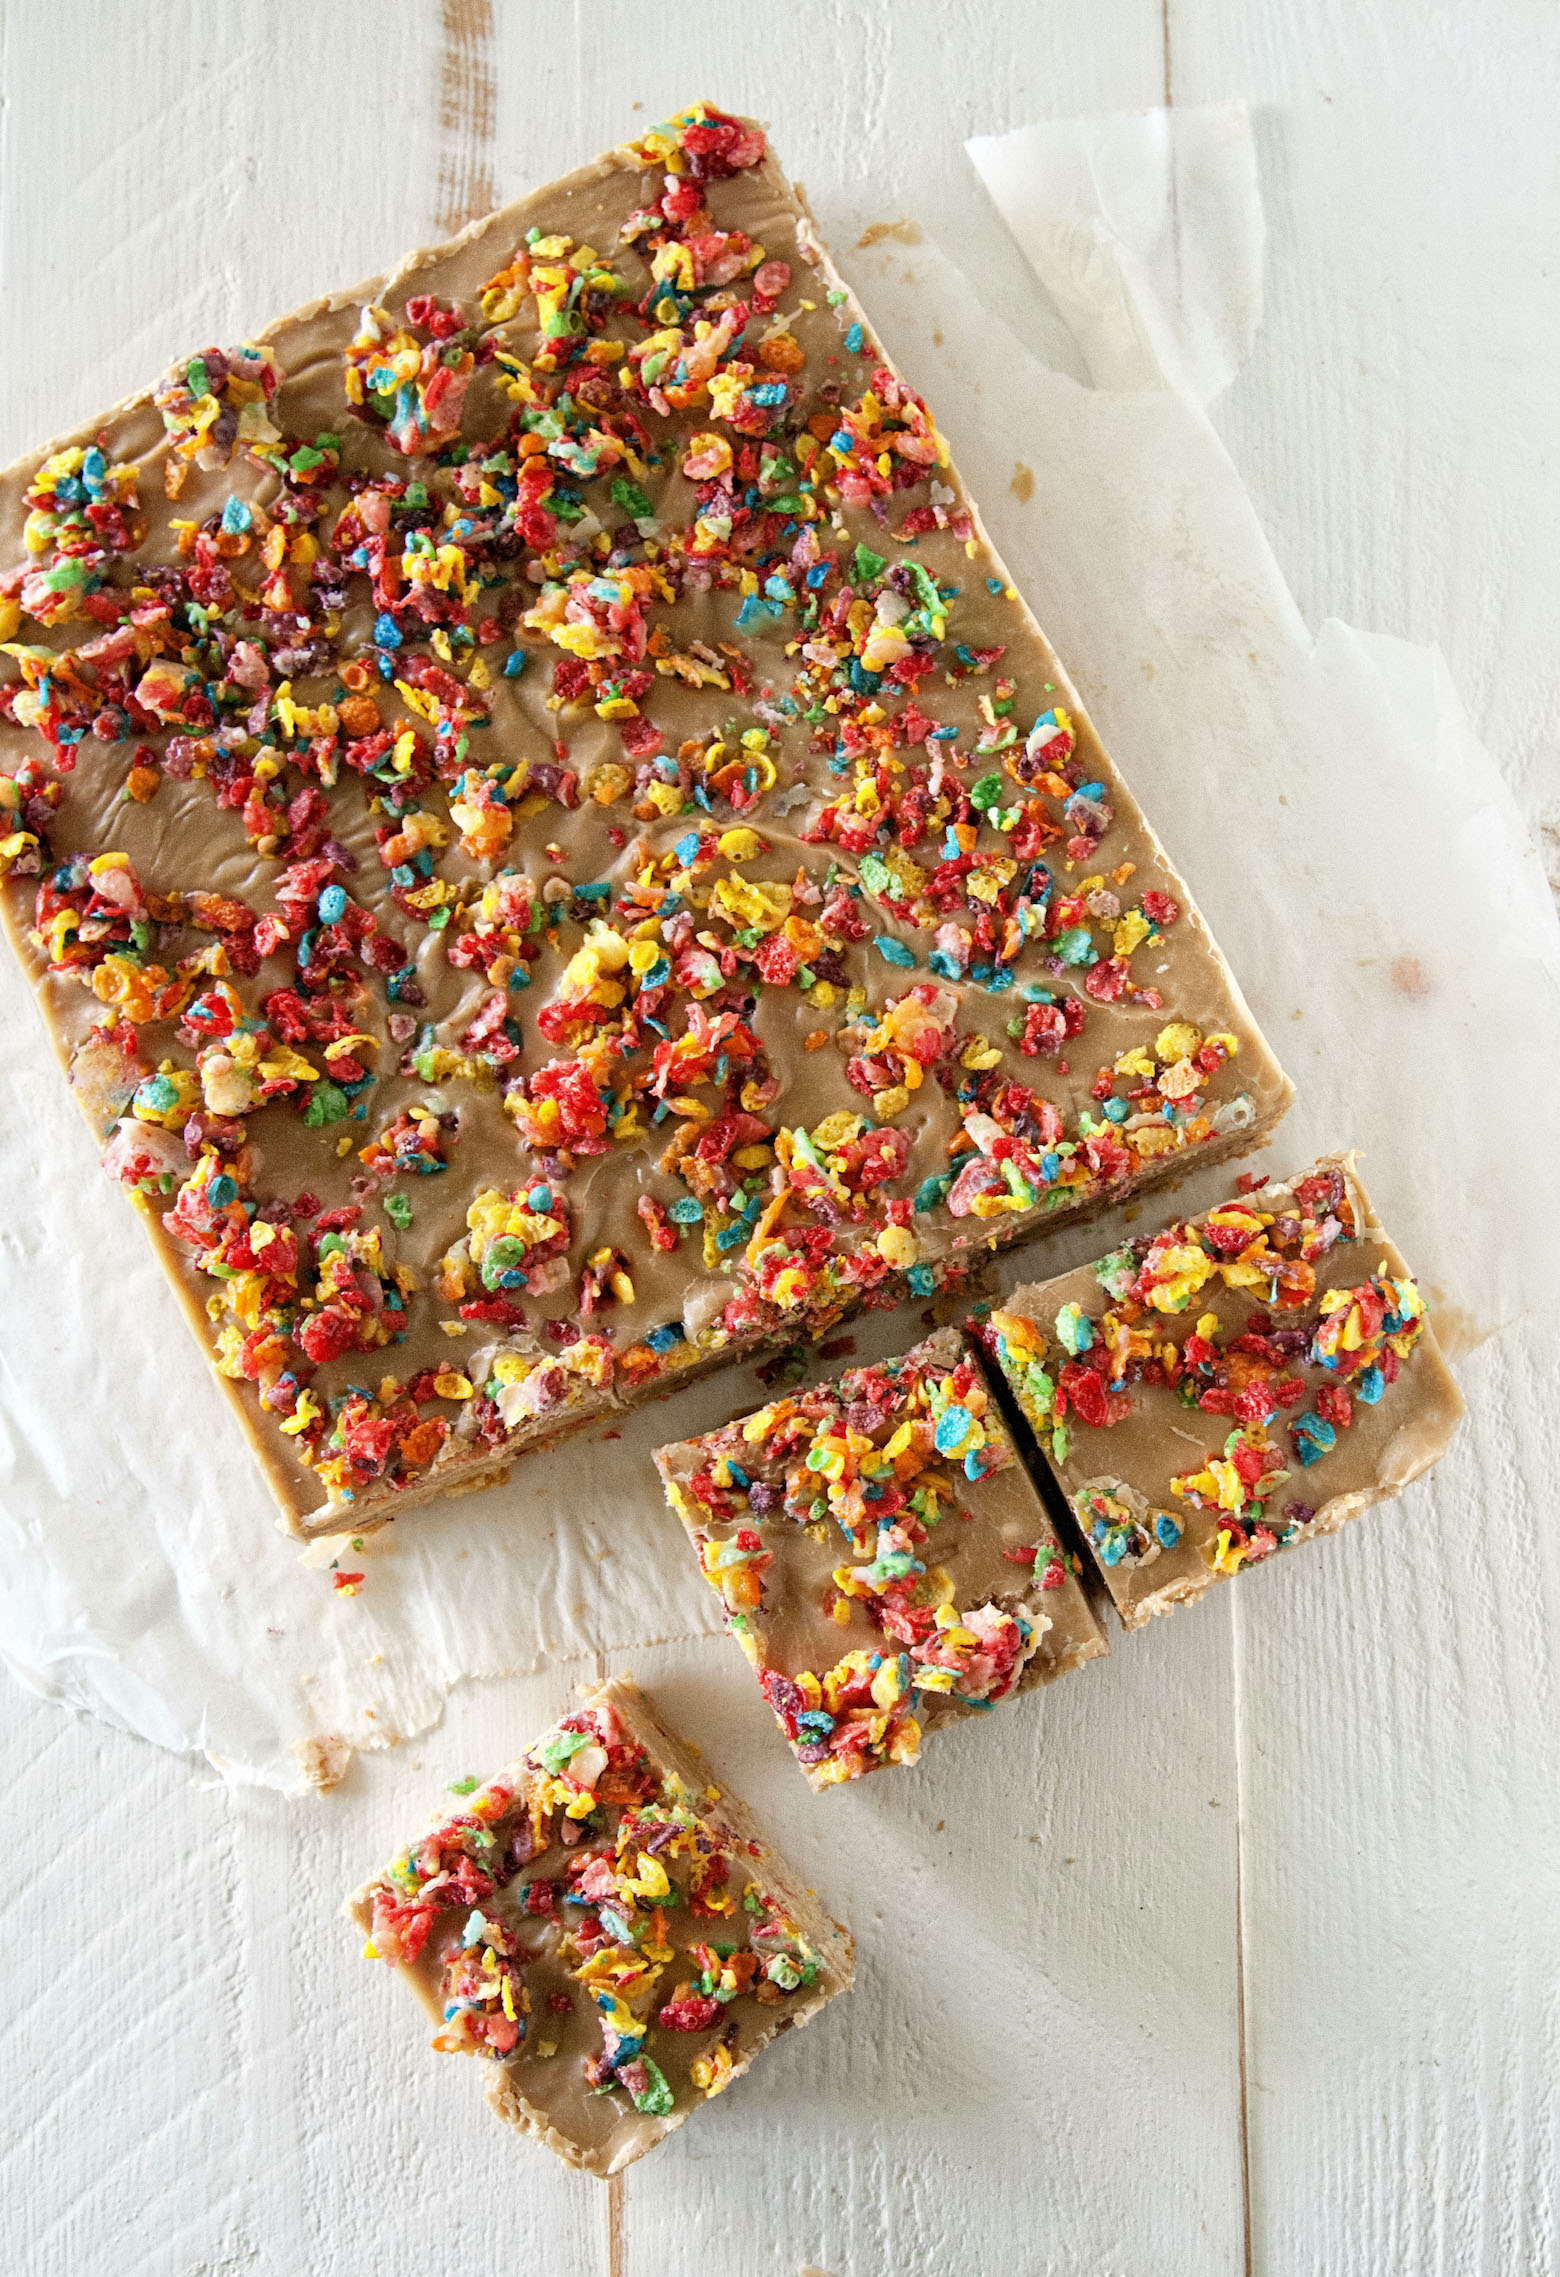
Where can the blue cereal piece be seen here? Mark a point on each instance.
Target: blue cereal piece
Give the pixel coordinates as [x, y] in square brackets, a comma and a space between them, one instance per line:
[1313, 1439]
[954, 1426]
[894, 951]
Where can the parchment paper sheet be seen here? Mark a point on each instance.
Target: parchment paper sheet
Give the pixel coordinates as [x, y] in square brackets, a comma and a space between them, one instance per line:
[1354, 848]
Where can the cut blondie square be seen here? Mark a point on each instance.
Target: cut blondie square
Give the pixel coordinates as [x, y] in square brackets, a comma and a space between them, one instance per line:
[1230, 1386]
[552, 848]
[882, 1556]
[607, 1930]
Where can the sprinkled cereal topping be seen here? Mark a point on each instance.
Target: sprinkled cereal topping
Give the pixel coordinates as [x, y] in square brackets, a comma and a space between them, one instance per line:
[881, 1557]
[568, 718]
[604, 1929]
[1255, 1330]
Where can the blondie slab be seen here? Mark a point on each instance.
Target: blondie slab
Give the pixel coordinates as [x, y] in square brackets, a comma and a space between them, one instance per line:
[882, 1557]
[1230, 1386]
[551, 847]
[608, 1931]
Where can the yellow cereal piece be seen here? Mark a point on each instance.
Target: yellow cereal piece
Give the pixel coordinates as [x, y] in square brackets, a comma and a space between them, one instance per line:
[1020, 1332]
[899, 1245]
[745, 903]
[1183, 1268]
[937, 1586]
[712, 2072]
[1152, 1140]
[286, 1065]
[1177, 1039]
[836, 1130]
[904, 1743]
[1130, 931]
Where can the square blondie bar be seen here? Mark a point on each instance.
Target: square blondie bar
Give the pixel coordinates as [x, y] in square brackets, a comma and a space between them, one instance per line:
[882, 1557]
[1230, 1386]
[553, 851]
[607, 1931]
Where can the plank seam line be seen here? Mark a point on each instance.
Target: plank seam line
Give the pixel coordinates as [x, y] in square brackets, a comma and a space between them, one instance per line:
[617, 2240]
[468, 113]
[1175, 176]
[1236, 1659]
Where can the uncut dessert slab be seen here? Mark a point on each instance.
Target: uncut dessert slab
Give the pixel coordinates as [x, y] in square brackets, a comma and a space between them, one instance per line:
[553, 851]
[607, 1930]
[882, 1557]
[1229, 1386]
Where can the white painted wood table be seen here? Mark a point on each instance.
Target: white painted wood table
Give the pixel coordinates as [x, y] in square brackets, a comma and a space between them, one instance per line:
[1240, 1956]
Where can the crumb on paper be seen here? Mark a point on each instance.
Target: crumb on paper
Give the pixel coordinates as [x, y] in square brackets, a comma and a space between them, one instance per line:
[903, 232]
[323, 1761]
[1023, 483]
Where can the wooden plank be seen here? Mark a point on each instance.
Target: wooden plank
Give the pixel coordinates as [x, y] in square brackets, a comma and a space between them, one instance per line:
[1395, 419]
[193, 183]
[1397, 1769]
[468, 114]
[1040, 2058]
[202, 2074]
[1400, 1840]
[369, 2147]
